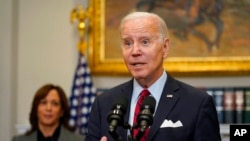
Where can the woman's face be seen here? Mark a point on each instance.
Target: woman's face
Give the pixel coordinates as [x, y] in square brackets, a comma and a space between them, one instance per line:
[49, 110]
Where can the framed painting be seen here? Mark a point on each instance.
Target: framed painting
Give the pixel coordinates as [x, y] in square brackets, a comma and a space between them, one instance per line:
[207, 37]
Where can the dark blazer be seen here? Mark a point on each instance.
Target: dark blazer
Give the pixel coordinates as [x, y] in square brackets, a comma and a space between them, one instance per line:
[193, 107]
[65, 135]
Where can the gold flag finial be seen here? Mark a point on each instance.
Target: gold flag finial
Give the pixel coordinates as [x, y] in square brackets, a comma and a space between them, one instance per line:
[78, 13]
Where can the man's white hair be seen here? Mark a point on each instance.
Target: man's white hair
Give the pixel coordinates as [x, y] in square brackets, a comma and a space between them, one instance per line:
[163, 30]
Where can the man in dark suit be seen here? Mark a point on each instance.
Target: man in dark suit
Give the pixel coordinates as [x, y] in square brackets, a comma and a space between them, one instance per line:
[183, 113]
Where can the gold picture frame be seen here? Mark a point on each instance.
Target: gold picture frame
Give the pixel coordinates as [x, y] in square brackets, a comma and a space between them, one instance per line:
[103, 58]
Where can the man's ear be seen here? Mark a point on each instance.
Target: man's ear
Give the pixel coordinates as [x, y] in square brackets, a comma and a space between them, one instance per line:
[166, 47]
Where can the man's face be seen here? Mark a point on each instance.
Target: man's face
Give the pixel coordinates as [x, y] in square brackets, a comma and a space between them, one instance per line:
[143, 49]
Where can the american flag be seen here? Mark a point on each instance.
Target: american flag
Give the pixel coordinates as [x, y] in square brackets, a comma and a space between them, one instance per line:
[82, 96]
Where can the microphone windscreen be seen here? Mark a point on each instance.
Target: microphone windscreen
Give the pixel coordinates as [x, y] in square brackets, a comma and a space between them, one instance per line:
[149, 102]
[121, 101]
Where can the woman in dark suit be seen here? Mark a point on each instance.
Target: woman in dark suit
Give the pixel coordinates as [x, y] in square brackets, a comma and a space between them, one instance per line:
[49, 117]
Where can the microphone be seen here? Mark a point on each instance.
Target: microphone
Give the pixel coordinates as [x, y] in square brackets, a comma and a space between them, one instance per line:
[145, 118]
[115, 117]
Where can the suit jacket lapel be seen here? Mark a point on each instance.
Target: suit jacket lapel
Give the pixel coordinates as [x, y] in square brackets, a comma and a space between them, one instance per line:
[166, 104]
[63, 135]
[32, 136]
[126, 90]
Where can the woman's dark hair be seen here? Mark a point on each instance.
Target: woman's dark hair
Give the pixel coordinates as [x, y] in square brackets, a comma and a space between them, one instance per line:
[41, 94]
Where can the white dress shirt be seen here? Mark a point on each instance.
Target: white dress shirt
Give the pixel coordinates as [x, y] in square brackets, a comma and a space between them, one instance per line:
[155, 91]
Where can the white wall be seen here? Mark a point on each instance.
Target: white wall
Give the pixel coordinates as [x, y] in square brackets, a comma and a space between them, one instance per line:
[38, 45]
[46, 49]
[7, 69]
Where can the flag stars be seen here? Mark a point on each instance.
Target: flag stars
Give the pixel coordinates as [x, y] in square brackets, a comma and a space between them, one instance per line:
[83, 95]
[86, 100]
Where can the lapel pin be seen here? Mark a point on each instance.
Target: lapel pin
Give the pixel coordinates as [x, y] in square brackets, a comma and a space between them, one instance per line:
[169, 96]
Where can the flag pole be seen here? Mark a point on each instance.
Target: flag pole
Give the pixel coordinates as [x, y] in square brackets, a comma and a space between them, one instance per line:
[80, 15]
[83, 91]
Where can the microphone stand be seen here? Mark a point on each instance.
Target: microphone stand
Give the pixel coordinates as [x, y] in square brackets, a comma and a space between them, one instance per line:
[115, 136]
[138, 136]
[145, 119]
[126, 125]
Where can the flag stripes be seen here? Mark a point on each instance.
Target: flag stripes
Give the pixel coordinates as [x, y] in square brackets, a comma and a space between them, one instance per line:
[82, 96]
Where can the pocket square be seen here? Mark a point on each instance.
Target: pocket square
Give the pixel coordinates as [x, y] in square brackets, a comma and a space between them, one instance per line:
[169, 123]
